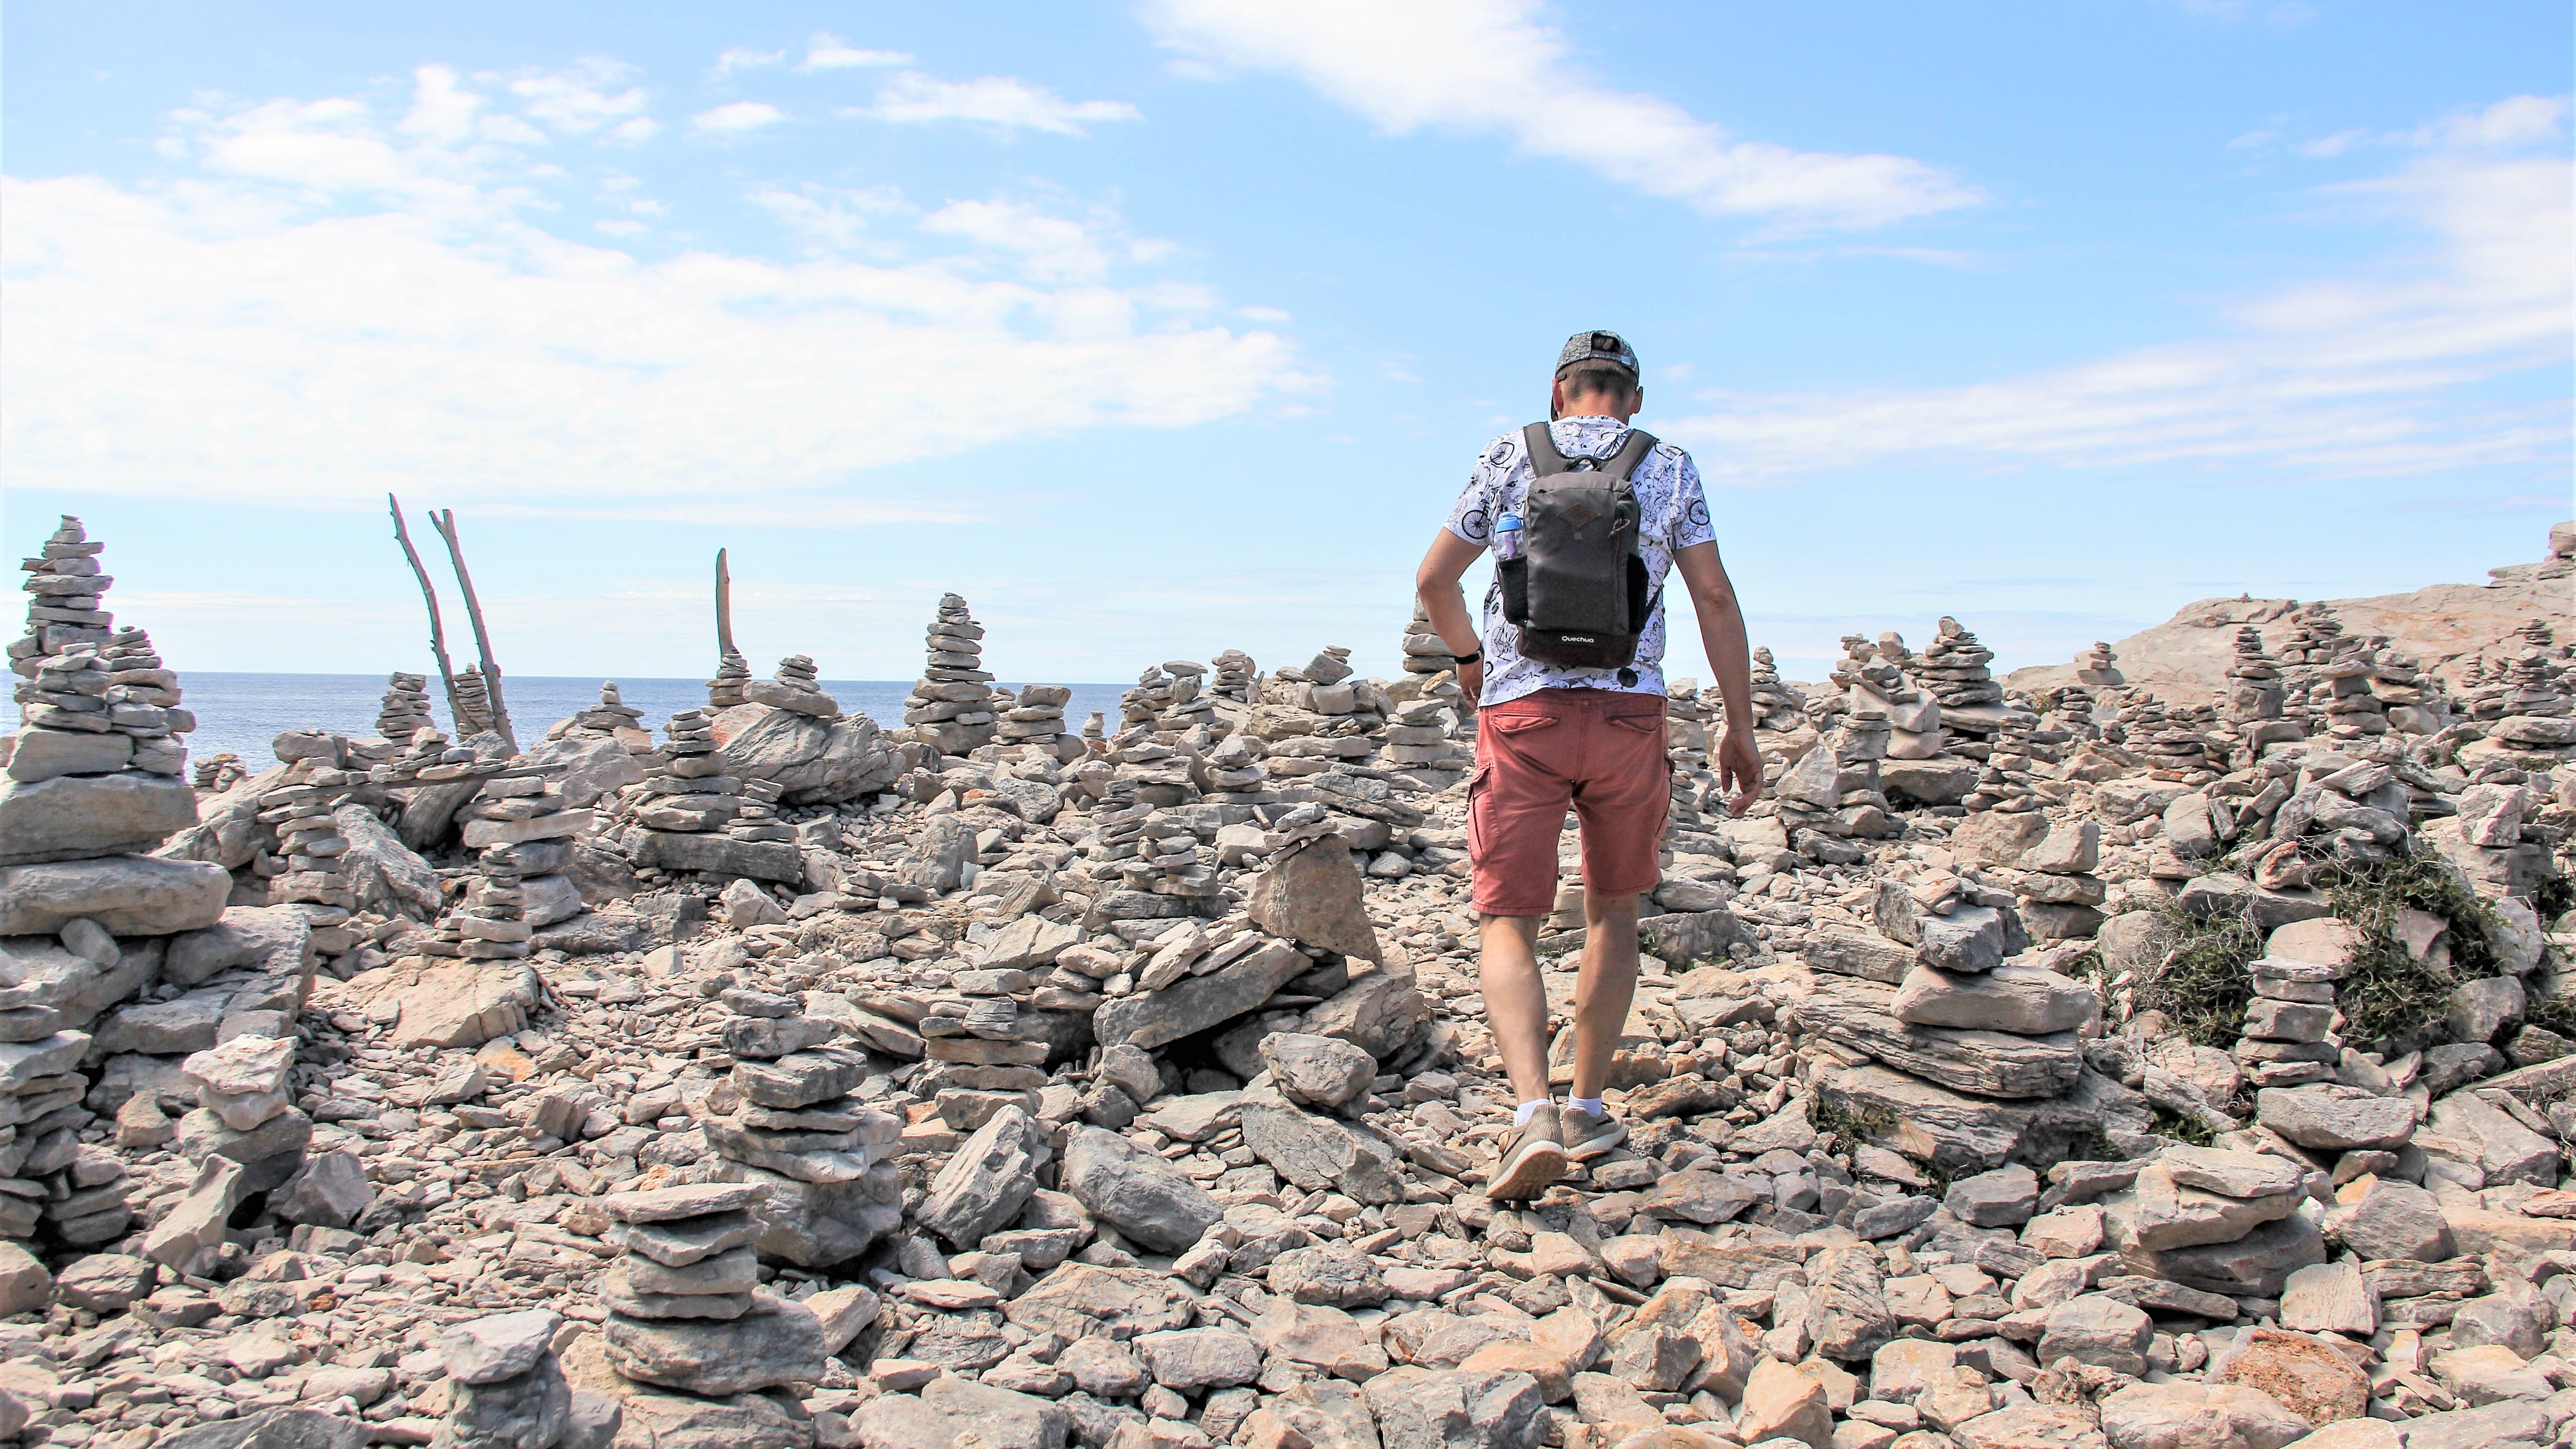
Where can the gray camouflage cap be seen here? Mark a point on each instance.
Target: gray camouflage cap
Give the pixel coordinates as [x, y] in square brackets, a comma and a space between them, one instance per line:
[1600, 346]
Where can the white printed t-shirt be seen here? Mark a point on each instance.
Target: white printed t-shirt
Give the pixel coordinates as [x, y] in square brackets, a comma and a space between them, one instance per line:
[1673, 515]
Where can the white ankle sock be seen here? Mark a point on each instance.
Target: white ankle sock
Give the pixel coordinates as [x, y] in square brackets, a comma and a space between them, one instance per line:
[1588, 1104]
[1521, 1113]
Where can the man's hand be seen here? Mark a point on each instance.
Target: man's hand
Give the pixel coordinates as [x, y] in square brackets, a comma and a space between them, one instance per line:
[1739, 769]
[1471, 679]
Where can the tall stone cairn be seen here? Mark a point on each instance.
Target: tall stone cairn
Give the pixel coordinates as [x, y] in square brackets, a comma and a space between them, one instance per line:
[473, 702]
[952, 706]
[405, 711]
[733, 676]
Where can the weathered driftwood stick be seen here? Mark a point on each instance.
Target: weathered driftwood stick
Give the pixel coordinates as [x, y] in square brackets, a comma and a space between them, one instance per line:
[429, 595]
[724, 608]
[444, 520]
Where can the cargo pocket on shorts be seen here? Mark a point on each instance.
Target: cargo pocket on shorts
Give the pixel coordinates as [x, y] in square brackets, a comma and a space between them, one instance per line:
[1475, 814]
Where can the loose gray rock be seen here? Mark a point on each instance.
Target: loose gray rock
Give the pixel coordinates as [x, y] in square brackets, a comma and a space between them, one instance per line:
[1143, 1196]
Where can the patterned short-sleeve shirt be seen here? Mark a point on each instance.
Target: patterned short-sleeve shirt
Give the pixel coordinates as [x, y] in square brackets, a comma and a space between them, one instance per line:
[1674, 515]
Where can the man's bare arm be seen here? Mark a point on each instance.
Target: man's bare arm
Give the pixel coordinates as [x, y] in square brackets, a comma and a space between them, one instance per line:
[1436, 582]
[1730, 660]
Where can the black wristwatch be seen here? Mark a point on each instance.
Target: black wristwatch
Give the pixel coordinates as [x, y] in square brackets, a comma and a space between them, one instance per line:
[1476, 658]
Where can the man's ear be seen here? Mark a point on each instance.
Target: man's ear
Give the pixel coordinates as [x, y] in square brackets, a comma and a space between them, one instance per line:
[1556, 400]
[1637, 401]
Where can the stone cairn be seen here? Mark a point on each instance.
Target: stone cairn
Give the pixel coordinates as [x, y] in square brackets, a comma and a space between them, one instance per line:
[2255, 691]
[473, 702]
[525, 817]
[2008, 781]
[1952, 669]
[218, 773]
[952, 706]
[2099, 668]
[244, 1113]
[794, 690]
[611, 718]
[310, 846]
[96, 701]
[733, 678]
[1035, 716]
[2534, 719]
[1234, 677]
[1424, 651]
[1833, 794]
[2060, 895]
[506, 1387]
[1876, 677]
[691, 793]
[405, 711]
[1775, 705]
[756, 816]
[683, 1307]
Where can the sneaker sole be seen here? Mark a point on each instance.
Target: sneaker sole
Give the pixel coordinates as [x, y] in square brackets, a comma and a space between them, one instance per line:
[1528, 1172]
[1595, 1146]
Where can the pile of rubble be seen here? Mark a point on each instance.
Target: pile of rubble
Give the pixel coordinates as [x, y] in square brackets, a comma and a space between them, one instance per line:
[792, 1082]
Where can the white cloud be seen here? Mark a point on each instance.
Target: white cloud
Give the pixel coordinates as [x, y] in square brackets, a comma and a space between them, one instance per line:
[577, 99]
[326, 305]
[742, 58]
[830, 52]
[2372, 374]
[1004, 102]
[831, 218]
[737, 117]
[1490, 67]
[1046, 247]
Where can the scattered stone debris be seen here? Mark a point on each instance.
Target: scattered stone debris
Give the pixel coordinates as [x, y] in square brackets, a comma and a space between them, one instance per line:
[2089, 1066]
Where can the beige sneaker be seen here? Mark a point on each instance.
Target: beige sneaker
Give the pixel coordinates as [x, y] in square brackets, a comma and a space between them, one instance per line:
[1533, 1157]
[1587, 1136]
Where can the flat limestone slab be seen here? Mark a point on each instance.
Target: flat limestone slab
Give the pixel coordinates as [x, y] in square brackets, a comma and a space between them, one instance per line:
[129, 895]
[75, 817]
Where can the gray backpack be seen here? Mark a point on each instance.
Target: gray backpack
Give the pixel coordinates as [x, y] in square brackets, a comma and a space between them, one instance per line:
[1579, 593]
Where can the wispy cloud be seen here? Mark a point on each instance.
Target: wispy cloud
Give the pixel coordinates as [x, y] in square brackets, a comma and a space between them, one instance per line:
[742, 58]
[2372, 374]
[1002, 102]
[829, 52]
[1490, 67]
[328, 298]
[737, 117]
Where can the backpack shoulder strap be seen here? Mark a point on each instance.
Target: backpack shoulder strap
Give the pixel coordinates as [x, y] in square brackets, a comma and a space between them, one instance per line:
[1545, 458]
[1632, 452]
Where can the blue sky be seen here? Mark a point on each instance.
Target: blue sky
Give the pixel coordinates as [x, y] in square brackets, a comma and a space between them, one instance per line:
[1164, 327]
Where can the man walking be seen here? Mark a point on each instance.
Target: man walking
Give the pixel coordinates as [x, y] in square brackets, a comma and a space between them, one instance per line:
[1567, 668]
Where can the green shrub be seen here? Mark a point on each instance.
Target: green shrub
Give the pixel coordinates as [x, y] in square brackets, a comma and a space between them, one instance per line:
[2202, 984]
[2388, 995]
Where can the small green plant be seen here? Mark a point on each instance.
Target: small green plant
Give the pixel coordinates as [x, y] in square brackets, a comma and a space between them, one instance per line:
[2388, 995]
[2092, 1144]
[2202, 984]
[2553, 898]
[1850, 1125]
[2190, 1131]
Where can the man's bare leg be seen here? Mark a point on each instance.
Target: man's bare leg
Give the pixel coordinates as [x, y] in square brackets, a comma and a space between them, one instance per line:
[1601, 995]
[1515, 1000]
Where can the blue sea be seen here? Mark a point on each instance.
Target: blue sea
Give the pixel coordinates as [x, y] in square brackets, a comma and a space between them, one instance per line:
[242, 713]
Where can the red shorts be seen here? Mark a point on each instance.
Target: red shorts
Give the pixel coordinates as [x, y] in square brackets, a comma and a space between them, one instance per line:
[1600, 751]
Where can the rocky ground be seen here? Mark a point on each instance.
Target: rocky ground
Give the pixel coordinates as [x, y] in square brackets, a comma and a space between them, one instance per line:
[2066, 1068]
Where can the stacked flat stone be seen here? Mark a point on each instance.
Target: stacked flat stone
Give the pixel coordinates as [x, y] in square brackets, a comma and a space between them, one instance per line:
[405, 711]
[1424, 650]
[2289, 1034]
[490, 923]
[2534, 715]
[1234, 677]
[2007, 781]
[1833, 792]
[1775, 705]
[1036, 715]
[2255, 693]
[506, 1389]
[683, 1310]
[756, 818]
[2164, 736]
[951, 706]
[2099, 668]
[220, 772]
[1419, 737]
[2215, 1222]
[611, 714]
[2060, 896]
[2352, 707]
[691, 794]
[1234, 773]
[733, 677]
[795, 1078]
[1936, 1002]
[310, 845]
[794, 690]
[525, 815]
[245, 1113]
[1876, 678]
[97, 766]
[1953, 668]
[473, 702]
